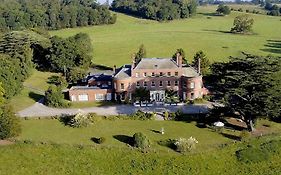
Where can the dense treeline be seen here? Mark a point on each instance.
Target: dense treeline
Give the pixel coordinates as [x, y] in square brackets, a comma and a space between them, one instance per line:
[22, 51]
[52, 14]
[16, 59]
[157, 9]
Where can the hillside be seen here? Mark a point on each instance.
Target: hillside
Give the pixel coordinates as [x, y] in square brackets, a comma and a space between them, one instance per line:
[114, 44]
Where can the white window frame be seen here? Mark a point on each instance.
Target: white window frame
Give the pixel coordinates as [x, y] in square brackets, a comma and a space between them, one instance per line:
[192, 85]
[99, 97]
[144, 74]
[145, 84]
[168, 83]
[122, 86]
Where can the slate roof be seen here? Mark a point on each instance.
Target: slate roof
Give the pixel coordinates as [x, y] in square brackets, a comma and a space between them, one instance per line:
[123, 72]
[99, 77]
[157, 63]
[190, 72]
[88, 87]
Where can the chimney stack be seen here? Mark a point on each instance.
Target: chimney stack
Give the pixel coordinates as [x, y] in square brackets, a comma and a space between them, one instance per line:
[133, 61]
[199, 65]
[114, 69]
[179, 59]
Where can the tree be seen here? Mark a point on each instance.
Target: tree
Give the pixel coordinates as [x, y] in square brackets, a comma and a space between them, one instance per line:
[75, 74]
[171, 96]
[52, 14]
[242, 24]
[2, 92]
[9, 123]
[140, 54]
[182, 53]
[141, 94]
[157, 10]
[223, 10]
[54, 97]
[140, 140]
[273, 102]
[204, 62]
[245, 83]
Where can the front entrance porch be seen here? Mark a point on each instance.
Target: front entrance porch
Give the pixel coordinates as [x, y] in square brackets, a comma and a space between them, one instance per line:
[157, 96]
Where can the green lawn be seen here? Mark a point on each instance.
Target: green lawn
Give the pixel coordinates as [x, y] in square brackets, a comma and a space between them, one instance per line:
[46, 146]
[54, 131]
[33, 90]
[114, 44]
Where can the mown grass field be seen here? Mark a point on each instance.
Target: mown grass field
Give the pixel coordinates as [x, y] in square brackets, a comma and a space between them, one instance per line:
[53, 148]
[114, 44]
[116, 130]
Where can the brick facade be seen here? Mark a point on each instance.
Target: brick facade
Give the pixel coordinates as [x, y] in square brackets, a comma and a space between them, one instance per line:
[156, 75]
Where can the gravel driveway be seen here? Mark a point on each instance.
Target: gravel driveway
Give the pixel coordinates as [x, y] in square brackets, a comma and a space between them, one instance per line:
[40, 110]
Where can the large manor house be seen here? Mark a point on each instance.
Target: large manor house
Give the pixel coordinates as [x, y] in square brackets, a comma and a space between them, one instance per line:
[155, 74]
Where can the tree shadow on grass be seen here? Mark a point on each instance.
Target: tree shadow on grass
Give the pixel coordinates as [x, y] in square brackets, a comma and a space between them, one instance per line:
[36, 97]
[170, 143]
[273, 46]
[219, 31]
[124, 139]
[95, 139]
[210, 14]
[155, 131]
[230, 136]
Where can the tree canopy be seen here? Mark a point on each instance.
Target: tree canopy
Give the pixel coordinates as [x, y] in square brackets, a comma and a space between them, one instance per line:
[247, 85]
[140, 54]
[52, 14]
[223, 10]
[242, 24]
[204, 62]
[157, 9]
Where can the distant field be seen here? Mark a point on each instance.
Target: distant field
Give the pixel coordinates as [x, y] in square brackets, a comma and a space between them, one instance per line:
[114, 44]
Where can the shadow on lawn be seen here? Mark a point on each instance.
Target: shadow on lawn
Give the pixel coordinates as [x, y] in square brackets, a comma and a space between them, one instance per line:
[273, 46]
[220, 31]
[95, 139]
[36, 97]
[230, 136]
[124, 139]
